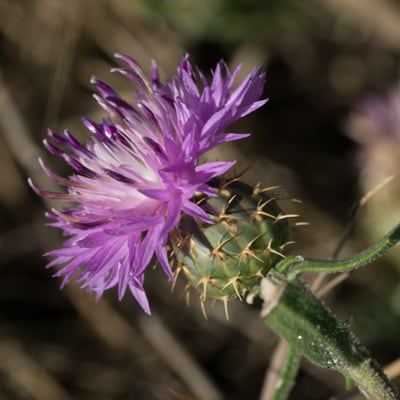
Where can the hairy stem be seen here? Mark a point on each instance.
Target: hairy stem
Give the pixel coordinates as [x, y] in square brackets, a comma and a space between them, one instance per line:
[292, 266]
[311, 329]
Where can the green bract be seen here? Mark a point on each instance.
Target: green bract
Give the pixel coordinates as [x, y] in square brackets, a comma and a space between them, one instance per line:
[229, 257]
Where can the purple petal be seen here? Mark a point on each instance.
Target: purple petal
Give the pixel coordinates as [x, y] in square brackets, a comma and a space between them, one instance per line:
[102, 87]
[163, 260]
[140, 296]
[156, 194]
[210, 170]
[195, 211]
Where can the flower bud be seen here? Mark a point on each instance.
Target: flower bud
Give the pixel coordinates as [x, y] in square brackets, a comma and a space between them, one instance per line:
[229, 257]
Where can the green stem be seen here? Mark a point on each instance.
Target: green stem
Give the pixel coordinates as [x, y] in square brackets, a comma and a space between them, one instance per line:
[306, 324]
[372, 382]
[287, 376]
[292, 266]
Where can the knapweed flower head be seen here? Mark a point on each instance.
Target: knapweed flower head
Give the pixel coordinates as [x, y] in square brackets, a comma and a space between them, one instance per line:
[380, 115]
[139, 171]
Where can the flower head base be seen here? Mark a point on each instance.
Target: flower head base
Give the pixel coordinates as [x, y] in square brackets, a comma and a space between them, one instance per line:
[140, 171]
[230, 257]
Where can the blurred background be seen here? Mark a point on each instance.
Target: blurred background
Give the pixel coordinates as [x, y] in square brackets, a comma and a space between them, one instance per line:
[329, 135]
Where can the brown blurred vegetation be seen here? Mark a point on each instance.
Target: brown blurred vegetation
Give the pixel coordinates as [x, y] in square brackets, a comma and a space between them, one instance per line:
[321, 57]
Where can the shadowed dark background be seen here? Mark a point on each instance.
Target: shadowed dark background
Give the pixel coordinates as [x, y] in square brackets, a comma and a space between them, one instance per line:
[322, 57]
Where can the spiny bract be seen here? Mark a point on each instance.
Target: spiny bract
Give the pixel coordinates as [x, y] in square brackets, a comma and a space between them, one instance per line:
[228, 258]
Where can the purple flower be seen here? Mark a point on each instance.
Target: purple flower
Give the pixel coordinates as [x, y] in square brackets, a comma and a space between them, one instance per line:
[139, 171]
[382, 114]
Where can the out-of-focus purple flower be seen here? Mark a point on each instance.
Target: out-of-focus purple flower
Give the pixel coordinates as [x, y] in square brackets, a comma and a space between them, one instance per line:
[139, 171]
[381, 115]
